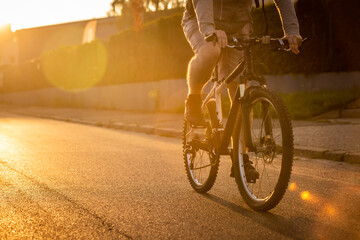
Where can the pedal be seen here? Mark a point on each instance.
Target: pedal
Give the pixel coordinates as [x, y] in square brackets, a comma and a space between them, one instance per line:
[198, 127]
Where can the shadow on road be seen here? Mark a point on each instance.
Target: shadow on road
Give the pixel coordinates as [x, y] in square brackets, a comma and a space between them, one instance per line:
[300, 227]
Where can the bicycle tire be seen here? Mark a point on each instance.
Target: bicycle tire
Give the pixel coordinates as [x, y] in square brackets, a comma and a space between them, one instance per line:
[277, 153]
[193, 163]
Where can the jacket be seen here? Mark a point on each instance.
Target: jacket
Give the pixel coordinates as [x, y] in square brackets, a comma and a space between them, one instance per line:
[232, 15]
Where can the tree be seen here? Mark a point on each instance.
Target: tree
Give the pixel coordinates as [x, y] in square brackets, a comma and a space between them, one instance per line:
[118, 8]
[122, 7]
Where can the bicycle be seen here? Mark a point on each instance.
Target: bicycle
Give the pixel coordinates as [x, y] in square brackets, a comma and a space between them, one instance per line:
[258, 132]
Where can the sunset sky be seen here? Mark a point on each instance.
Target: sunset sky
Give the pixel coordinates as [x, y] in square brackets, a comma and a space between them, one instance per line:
[32, 13]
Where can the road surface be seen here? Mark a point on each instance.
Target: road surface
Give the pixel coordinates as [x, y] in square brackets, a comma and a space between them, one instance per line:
[71, 181]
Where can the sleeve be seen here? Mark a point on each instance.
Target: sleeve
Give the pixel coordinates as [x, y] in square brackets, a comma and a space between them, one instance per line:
[205, 15]
[288, 17]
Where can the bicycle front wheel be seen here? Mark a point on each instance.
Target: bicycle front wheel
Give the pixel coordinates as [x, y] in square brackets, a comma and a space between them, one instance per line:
[272, 135]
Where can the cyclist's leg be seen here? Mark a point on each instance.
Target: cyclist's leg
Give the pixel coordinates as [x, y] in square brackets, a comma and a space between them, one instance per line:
[201, 66]
[201, 165]
[199, 70]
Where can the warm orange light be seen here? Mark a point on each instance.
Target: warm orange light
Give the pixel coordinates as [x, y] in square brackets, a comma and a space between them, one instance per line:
[292, 187]
[305, 195]
[330, 210]
[4, 25]
[44, 12]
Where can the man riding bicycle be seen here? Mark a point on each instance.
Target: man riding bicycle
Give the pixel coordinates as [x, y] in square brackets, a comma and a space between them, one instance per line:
[223, 18]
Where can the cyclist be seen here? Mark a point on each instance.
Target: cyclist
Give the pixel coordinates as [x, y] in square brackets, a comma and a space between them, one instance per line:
[223, 18]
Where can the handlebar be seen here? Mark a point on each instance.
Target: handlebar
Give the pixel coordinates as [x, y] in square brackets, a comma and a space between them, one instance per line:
[280, 44]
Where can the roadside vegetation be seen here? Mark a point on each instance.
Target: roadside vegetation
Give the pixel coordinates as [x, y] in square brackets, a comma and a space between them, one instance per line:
[303, 105]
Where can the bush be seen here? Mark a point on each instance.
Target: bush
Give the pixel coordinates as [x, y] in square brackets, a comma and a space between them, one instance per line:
[159, 52]
[304, 105]
[25, 76]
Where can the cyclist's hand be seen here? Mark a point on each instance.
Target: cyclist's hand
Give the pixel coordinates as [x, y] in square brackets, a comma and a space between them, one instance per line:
[221, 38]
[294, 42]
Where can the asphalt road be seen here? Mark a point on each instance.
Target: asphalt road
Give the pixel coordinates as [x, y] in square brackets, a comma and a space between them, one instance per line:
[70, 181]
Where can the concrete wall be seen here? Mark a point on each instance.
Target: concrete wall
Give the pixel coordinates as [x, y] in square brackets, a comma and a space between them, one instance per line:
[166, 95]
[315, 82]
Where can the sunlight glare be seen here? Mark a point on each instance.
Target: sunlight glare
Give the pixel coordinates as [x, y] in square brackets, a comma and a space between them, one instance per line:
[3, 25]
[27, 14]
[76, 69]
[305, 195]
[292, 187]
[7, 145]
[330, 210]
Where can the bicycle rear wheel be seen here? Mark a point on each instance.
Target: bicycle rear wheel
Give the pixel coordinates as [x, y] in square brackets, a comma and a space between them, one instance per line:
[272, 134]
[201, 162]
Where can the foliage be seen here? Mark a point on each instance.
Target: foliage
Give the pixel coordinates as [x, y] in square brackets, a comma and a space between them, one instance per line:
[121, 7]
[158, 52]
[304, 105]
[25, 76]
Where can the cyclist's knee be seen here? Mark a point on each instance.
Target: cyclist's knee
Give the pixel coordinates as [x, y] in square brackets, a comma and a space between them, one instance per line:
[209, 54]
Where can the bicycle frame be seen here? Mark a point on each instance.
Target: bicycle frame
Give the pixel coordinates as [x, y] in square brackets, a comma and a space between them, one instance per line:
[239, 102]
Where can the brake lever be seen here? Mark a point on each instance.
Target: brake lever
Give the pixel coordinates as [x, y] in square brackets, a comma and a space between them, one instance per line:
[235, 41]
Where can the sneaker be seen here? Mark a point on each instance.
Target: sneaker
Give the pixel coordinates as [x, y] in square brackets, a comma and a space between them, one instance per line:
[193, 112]
[250, 171]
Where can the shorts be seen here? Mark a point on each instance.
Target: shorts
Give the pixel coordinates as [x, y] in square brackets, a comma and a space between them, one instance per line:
[230, 57]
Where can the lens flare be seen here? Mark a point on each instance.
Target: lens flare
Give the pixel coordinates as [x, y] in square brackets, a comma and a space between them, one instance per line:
[330, 210]
[75, 68]
[305, 195]
[292, 187]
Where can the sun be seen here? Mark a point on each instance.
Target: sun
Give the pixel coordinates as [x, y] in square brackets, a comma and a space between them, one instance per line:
[5, 14]
[17, 17]
[4, 26]
[23, 14]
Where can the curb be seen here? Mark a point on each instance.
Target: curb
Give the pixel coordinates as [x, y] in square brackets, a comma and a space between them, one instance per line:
[300, 151]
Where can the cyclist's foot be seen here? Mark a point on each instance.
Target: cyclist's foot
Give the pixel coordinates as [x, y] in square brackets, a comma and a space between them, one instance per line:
[193, 112]
[250, 172]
